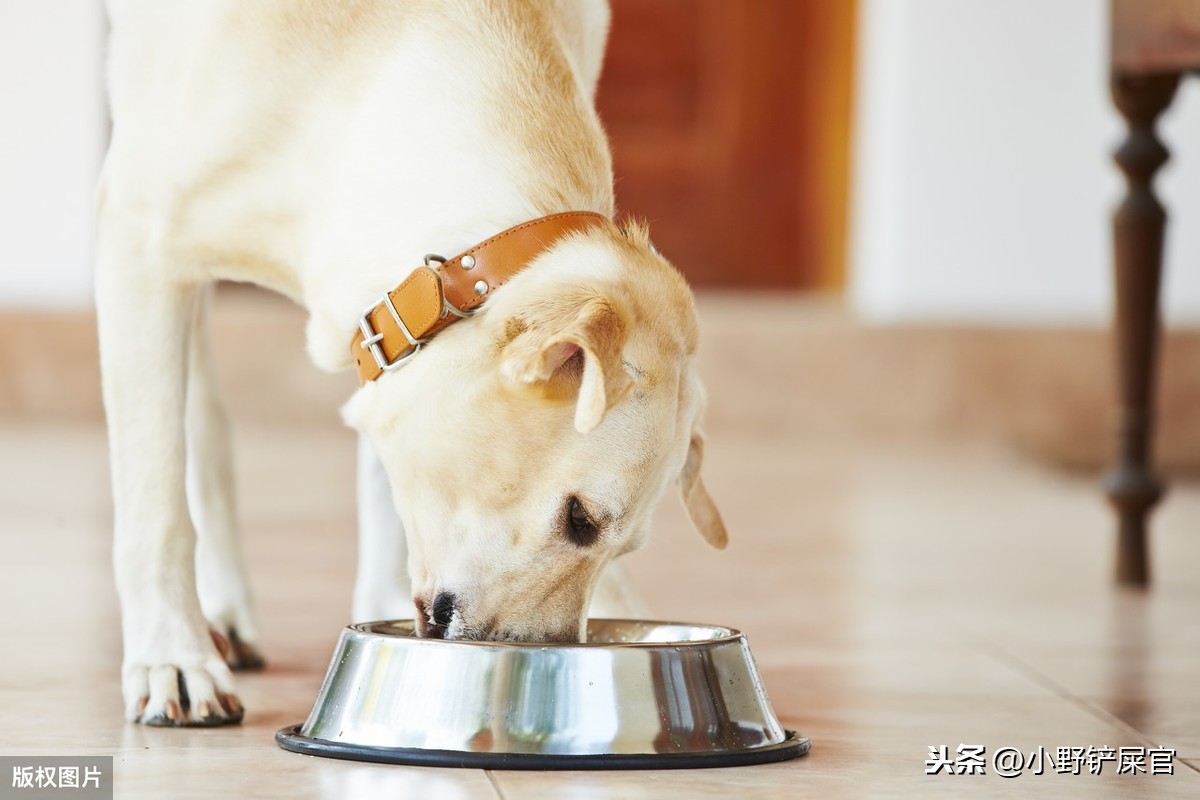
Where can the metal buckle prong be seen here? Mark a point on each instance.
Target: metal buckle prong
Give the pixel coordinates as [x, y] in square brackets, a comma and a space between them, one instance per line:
[372, 337]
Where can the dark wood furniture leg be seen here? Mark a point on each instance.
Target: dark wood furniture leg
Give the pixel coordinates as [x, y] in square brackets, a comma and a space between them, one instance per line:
[1138, 226]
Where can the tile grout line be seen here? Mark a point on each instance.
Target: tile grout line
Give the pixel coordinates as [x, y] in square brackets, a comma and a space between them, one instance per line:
[492, 779]
[1046, 682]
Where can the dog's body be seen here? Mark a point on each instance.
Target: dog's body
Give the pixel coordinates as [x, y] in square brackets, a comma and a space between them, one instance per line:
[321, 149]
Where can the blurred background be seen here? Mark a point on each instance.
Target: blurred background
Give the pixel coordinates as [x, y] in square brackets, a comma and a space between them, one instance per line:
[931, 178]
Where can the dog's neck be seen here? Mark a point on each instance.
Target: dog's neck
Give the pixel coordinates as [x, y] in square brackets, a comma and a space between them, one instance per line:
[446, 291]
[400, 190]
[334, 315]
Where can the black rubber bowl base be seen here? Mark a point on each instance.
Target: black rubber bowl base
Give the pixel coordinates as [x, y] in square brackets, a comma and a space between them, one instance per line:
[289, 738]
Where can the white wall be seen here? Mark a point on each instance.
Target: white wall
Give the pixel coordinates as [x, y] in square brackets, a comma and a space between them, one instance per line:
[983, 183]
[983, 180]
[52, 133]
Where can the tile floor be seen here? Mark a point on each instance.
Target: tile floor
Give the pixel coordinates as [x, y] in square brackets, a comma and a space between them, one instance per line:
[896, 597]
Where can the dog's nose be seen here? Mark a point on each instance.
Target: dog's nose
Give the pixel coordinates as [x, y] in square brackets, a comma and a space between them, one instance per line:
[443, 608]
[432, 619]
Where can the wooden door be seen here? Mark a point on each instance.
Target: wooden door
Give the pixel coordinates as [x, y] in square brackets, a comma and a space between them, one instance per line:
[729, 121]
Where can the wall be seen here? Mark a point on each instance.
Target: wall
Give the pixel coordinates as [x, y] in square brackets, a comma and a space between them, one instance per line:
[52, 134]
[983, 178]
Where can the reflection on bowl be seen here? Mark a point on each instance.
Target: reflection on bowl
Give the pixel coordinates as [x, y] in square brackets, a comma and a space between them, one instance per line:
[636, 694]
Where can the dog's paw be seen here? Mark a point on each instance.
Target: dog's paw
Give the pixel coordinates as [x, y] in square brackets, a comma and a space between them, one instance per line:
[239, 655]
[168, 695]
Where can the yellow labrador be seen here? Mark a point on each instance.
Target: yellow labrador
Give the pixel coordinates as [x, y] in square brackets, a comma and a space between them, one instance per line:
[322, 149]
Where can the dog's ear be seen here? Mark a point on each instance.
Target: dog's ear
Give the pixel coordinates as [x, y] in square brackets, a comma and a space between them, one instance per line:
[579, 338]
[700, 507]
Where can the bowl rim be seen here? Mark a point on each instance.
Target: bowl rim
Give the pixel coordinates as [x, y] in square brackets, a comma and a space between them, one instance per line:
[731, 635]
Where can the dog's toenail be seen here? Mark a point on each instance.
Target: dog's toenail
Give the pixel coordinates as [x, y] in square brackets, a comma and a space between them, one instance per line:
[173, 711]
[204, 709]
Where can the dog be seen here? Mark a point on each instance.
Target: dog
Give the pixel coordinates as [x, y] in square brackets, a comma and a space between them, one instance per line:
[322, 150]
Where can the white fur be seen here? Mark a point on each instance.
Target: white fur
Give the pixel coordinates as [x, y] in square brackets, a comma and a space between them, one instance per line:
[382, 589]
[321, 149]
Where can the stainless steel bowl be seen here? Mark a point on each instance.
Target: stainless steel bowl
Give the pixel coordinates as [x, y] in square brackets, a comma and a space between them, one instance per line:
[636, 694]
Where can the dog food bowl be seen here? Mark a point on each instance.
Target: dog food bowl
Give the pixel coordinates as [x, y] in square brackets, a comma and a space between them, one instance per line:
[636, 695]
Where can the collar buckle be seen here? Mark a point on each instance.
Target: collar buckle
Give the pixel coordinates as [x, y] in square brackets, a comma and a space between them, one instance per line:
[372, 338]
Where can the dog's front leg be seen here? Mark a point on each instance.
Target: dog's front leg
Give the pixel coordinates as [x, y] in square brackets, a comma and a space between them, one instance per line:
[220, 568]
[382, 589]
[172, 672]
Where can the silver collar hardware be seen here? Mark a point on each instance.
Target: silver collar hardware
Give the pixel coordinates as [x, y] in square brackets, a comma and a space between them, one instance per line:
[437, 262]
[449, 308]
[372, 337]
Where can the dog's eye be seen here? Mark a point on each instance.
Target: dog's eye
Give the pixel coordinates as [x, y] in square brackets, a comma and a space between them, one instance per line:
[580, 527]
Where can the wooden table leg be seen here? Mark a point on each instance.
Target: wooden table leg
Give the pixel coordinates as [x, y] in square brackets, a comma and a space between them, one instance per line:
[1138, 226]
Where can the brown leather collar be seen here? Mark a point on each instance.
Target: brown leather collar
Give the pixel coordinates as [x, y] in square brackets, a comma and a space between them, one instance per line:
[394, 327]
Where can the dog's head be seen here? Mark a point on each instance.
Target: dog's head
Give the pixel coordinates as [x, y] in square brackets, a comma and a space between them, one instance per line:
[528, 446]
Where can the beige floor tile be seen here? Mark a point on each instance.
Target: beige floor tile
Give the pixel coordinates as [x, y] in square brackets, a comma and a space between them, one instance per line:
[849, 774]
[895, 597]
[1154, 690]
